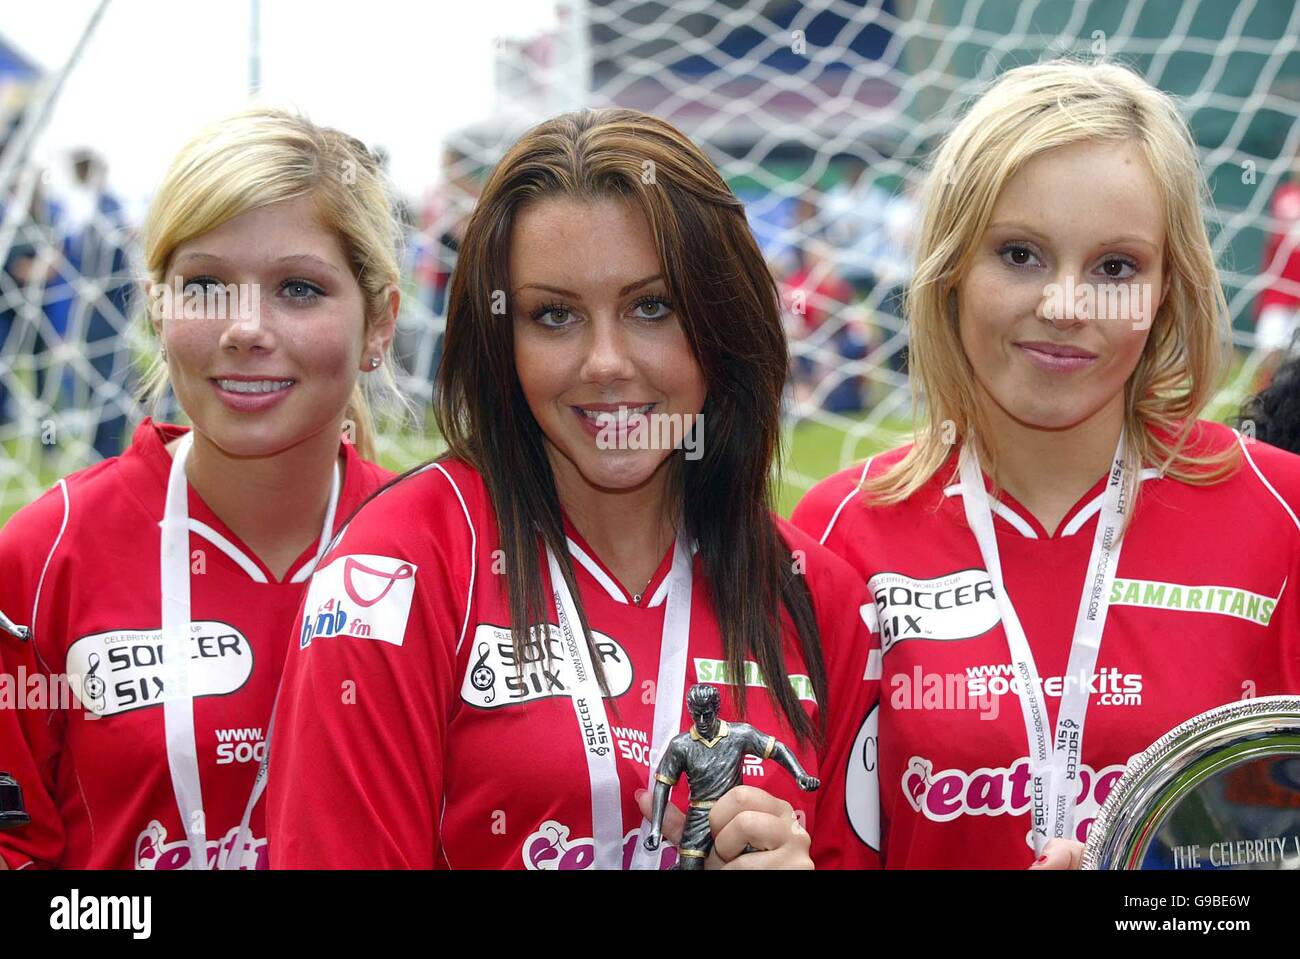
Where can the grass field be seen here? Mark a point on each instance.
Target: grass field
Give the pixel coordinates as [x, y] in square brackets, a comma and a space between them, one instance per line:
[812, 449]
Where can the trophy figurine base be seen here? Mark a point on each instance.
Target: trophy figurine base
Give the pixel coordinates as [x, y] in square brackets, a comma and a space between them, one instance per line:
[13, 814]
[14, 820]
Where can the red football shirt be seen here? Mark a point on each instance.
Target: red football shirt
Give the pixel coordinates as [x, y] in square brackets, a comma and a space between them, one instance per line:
[81, 567]
[405, 738]
[1199, 616]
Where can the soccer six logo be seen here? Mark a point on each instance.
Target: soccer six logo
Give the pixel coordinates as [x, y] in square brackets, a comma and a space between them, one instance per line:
[494, 677]
[124, 669]
[958, 605]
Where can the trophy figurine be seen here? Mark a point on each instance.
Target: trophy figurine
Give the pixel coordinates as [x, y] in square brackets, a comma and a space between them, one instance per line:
[711, 755]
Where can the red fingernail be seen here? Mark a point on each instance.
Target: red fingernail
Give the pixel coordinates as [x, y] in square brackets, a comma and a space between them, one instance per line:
[1040, 859]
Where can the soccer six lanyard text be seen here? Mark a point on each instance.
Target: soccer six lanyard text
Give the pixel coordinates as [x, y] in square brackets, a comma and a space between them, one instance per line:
[1053, 760]
[589, 705]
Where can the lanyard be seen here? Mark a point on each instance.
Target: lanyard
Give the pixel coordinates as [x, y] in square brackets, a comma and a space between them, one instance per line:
[1053, 761]
[178, 705]
[589, 704]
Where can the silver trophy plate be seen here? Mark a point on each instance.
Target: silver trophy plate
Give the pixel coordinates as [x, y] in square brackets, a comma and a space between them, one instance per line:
[1220, 791]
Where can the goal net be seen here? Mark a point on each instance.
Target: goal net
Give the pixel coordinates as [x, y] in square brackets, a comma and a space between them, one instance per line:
[820, 114]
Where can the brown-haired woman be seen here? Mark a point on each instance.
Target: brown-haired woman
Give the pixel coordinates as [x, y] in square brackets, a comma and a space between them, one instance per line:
[493, 657]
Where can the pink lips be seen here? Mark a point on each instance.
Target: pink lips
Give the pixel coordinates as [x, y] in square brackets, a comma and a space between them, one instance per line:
[251, 402]
[1055, 357]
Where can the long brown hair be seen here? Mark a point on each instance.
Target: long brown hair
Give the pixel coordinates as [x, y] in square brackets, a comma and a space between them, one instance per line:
[727, 302]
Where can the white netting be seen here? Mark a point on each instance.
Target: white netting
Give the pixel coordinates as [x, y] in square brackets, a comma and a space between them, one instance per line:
[820, 114]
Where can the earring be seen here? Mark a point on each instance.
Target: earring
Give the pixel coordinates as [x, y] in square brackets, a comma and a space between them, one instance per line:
[163, 351]
[374, 362]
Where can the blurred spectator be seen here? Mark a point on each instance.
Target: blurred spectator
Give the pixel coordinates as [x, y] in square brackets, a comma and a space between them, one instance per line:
[821, 319]
[1277, 310]
[26, 269]
[87, 299]
[18, 272]
[872, 228]
[446, 214]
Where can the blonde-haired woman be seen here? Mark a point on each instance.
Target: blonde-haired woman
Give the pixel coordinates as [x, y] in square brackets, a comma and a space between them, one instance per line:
[1066, 562]
[163, 583]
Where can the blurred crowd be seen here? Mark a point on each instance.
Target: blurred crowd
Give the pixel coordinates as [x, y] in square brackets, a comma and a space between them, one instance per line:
[840, 255]
[65, 293]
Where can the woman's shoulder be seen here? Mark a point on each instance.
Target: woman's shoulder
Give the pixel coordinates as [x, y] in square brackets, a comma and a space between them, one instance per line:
[110, 491]
[1261, 473]
[431, 507]
[1267, 473]
[372, 476]
[823, 507]
[827, 573]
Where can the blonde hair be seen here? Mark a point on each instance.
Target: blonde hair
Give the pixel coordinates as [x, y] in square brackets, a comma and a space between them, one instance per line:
[263, 156]
[1026, 112]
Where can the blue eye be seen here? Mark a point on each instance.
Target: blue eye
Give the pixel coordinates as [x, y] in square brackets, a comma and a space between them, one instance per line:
[652, 308]
[301, 290]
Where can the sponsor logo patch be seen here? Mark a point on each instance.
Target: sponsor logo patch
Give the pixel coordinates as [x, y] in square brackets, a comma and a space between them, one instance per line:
[1224, 600]
[948, 793]
[361, 597]
[862, 784]
[551, 848]
[153, 851]
[717, 671]
[124, 669]
[494, 679]
[959, 605]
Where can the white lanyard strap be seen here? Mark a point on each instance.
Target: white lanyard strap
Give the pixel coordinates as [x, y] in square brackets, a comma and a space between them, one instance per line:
[589, 705]
[593, 727]
[670, 686]
[178, 703]
[1053, 761]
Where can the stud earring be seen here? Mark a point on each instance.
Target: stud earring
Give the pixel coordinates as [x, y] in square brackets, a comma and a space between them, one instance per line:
[374, 362]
